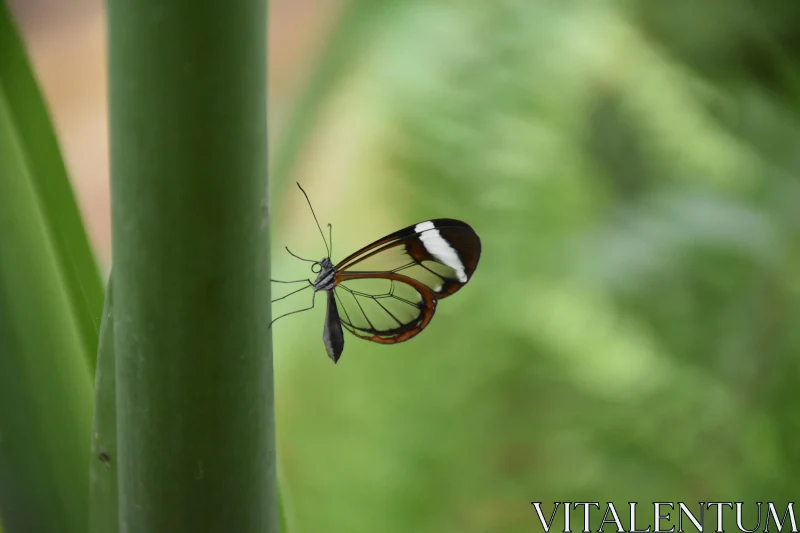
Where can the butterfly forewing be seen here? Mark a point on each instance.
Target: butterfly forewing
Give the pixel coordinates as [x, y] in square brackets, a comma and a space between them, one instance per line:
[383, 307]
[442, 254]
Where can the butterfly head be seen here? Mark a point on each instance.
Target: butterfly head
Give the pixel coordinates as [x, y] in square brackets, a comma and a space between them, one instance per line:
[326, 274]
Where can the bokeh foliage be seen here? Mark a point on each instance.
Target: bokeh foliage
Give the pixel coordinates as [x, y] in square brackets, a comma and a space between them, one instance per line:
[632, 330]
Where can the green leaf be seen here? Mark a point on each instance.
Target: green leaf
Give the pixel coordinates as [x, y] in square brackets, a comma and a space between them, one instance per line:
[37, 143]
[45, 385]
[104, 494]
[50, 297]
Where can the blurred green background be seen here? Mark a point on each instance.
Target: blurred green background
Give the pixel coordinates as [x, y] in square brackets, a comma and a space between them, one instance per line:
[631, 332]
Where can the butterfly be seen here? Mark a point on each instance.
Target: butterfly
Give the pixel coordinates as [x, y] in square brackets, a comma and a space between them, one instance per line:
[387, 291]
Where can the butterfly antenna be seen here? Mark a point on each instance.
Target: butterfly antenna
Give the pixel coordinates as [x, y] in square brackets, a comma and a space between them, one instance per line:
[298, 257]
[330, 236]
[315, 220]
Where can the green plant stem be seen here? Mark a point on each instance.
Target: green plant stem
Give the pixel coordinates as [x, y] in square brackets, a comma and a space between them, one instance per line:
[195, 407]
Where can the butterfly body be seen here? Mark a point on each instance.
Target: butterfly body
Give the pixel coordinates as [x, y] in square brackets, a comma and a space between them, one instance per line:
[332, 334]
[387, 291]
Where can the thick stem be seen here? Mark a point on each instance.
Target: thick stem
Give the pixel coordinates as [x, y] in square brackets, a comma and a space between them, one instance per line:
[194, 373]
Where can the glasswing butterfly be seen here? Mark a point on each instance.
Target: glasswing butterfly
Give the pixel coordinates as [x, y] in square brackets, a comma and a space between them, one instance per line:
[387, 291]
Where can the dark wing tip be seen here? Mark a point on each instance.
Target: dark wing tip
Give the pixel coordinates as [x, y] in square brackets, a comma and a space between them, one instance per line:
[441, 223]
[445, 222]
[471, 253]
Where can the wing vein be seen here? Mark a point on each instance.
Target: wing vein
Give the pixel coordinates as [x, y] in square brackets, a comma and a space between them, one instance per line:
[402, 325]
[371, 325]
[341, 304]
[432, 272]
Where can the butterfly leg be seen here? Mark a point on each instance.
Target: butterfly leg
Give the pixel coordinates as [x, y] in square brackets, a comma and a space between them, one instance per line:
[294, 292]
[298, 311]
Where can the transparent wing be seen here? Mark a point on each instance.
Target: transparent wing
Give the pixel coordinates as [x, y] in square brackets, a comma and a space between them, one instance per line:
[383, 307]
[441, 254]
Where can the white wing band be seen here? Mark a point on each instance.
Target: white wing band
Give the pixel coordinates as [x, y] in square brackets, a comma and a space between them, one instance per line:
[438, 247]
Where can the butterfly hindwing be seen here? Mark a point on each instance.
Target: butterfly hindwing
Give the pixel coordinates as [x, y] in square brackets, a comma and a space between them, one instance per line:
[383, 307]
